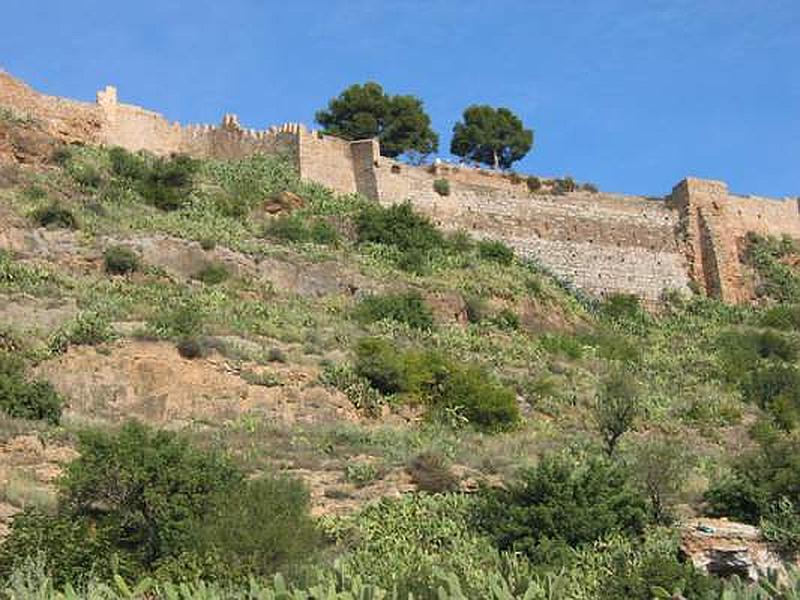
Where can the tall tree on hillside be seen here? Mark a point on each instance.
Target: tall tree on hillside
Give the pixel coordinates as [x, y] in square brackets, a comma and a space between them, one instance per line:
[492, 136]
[366, 111]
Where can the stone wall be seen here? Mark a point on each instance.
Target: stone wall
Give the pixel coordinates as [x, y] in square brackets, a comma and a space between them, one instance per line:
[600, 242]
[715, 224]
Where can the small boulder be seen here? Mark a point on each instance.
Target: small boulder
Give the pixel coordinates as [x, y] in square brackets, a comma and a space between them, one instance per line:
[725, 548]
[283, 203]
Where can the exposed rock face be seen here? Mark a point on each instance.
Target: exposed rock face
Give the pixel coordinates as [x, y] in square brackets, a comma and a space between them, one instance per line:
[283, 202]
[725, 548]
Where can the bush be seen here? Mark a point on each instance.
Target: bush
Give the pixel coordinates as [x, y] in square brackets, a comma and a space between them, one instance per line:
[127, 165]
[758, 479]
[590, 187]
[408, 543]
[408, 308]
[561, 503]
[495, 251]
[168, 182]
[145, 490]
[775, 387]
[276, 355]
[397, 226]
[431, 472]
[782, 316]
[442, 187]
[25, 399]
[212, 274]
[534, 184]
[506, 319]
[564, 186]
[183, 320]
[71, 549]
[619, 307]
[120, 260]
[777, 279]
[192, 347]
[616, 408]
[88, 329]
[55, 216]
[448, 389]
[262, 526]
[293, 228]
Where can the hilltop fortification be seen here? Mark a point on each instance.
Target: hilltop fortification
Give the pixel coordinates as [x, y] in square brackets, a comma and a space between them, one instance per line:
[599, 242]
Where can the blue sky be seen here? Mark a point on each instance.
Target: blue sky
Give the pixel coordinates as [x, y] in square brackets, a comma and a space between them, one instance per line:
[632, 95]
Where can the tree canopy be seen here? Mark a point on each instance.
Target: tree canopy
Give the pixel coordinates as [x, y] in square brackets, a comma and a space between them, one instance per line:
[492, 136]
[366, 111]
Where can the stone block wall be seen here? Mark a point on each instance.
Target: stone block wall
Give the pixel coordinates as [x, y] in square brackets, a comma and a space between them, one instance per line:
[600, 242]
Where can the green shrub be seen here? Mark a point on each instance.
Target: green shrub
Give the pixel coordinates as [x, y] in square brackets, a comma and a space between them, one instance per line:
[127, 165]
[506, 319]
[260, 527]
[781, 525]
[397, 226]
[590, 187]
[357, 388]
[26, 399]
[152, 488]
[476, 308]
[360, 474]
[213, 274]
[183, 320]
[71, 549]
[55, 216]
[431, 472]
[322, 232]
[619, 307]
[87, 175]
[447, 388]
[759, 479]
[561, 503]
[775, 387]
[564, 186]
[88, 329]
[616, 407]
[168, 182]
[442, 187]
[408, 308]
[534, 184]
[782, 316]
[408, 543]
[495, 251]
[289, 228]
[120, 260]
[296, 229]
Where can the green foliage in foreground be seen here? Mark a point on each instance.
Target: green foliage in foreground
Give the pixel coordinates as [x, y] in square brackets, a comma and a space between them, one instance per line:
[447, 388]
[560, 504]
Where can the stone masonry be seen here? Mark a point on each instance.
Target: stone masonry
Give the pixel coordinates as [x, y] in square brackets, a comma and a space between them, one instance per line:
[602, 243]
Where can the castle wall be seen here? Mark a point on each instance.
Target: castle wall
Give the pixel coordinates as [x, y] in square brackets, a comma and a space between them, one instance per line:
[600, 242]
[716, 223]
[326, 160]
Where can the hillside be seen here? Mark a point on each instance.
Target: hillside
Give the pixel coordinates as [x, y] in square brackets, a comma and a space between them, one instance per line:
[449, 407]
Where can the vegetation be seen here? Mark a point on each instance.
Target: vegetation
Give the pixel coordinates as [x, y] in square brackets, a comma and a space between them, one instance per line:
[408, 308]
[365, 111]
[24, 398]
[120, 260]
[492, 136]
[585, 428]
[441, 187]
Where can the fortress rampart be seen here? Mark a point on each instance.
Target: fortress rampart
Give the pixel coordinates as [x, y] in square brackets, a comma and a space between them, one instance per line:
[599, 242]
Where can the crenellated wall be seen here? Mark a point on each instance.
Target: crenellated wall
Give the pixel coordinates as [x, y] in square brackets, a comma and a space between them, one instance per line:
[600, 242]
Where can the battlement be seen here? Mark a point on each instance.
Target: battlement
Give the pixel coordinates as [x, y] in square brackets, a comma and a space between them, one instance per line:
[599, 242]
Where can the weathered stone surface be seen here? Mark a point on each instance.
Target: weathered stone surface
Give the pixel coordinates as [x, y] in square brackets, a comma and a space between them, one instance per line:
[724, 548]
